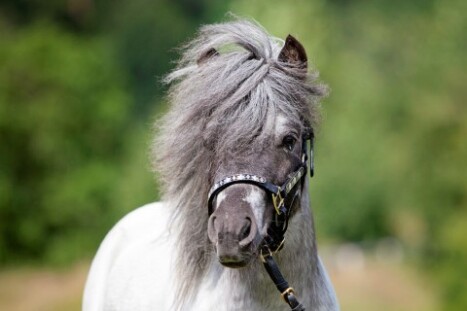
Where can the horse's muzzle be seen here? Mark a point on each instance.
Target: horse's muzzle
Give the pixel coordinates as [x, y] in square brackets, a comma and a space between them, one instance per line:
[232, 229]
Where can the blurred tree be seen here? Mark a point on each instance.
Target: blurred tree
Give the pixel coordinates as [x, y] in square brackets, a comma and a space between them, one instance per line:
[146, 34]
[75, 15]
[62, 103]
[143, 34]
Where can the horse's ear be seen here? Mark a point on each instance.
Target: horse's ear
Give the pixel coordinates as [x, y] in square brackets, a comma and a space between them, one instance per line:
[207, 55]
[293, 52]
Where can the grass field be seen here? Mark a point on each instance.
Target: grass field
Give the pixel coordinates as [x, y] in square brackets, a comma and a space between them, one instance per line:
[362, 284]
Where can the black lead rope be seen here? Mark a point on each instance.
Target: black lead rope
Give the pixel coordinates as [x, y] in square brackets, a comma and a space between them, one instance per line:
[287, 292]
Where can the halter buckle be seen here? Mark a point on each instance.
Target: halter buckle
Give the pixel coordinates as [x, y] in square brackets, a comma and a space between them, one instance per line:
[277, 201]
[262, 255]
[281, 245]
[287, 292]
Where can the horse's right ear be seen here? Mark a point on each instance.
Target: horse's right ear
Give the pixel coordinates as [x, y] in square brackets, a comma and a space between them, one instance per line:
[293, 53]
[212, 52]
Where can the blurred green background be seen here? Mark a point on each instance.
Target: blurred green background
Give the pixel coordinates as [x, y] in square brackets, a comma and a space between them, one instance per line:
[80, 88]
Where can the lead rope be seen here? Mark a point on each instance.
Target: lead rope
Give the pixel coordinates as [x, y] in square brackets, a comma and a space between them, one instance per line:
[275, 235]
[287, 292]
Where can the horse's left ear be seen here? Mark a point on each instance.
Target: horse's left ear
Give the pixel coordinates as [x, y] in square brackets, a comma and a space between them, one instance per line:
[293, 52]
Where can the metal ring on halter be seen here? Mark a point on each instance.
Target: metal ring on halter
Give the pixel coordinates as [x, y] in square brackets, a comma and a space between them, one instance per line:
[288, 291]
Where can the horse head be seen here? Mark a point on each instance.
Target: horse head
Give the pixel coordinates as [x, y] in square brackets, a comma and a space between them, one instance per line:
[245, 200]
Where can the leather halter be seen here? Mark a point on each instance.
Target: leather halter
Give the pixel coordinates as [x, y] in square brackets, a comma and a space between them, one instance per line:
[276, 231]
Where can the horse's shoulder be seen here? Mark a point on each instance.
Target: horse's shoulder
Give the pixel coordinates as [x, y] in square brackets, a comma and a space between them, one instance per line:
[132, 239]
[139, 227]
[147, 217]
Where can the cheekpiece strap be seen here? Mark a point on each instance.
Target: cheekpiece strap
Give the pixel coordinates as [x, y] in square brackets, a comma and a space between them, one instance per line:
[312, 157]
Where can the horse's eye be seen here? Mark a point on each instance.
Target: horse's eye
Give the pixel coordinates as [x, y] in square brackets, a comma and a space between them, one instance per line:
[289, 142]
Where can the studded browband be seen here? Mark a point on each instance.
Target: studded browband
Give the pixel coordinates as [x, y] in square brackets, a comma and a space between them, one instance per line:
[279, 193]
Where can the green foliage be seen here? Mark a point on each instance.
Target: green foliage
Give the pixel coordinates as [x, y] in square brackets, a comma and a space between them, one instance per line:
[62, 103]
[146, 39]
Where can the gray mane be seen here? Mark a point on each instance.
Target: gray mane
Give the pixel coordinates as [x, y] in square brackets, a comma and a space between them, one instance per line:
[227, 78]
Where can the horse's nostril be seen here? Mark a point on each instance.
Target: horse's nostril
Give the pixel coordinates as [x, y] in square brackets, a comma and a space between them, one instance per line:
[248, 233]
[246, 229]
[212, 231]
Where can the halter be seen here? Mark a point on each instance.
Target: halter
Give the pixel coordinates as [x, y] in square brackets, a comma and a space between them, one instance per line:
[275, 239]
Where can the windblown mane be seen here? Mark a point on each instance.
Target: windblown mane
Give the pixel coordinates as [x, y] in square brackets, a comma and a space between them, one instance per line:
[229, 77]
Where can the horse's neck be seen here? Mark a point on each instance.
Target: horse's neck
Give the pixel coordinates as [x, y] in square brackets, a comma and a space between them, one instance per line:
[251, 288]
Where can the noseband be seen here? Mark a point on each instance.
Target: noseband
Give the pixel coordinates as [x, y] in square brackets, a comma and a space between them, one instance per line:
[280, 195]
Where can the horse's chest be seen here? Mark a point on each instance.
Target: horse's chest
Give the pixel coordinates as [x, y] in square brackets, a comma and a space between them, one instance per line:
[230, 291]
[222, 301]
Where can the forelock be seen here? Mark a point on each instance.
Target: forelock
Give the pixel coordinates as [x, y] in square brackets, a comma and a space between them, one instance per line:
[235, 87]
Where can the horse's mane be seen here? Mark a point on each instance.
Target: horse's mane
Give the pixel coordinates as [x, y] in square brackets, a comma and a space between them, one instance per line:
[228, 77]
